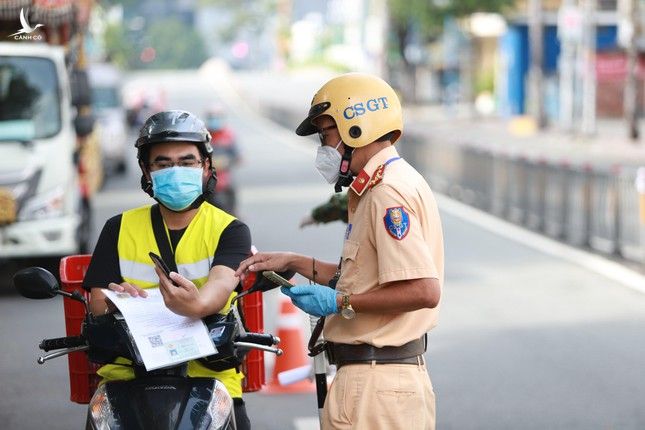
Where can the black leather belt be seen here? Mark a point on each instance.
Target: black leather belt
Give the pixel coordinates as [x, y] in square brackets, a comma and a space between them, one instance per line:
[342, 354]
[412, 360]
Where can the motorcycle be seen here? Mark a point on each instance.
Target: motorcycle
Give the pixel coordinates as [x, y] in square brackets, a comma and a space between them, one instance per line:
[226, 158]
[159, 399]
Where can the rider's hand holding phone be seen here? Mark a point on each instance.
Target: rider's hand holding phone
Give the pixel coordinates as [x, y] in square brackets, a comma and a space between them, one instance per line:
[161, 265]
[183, 298]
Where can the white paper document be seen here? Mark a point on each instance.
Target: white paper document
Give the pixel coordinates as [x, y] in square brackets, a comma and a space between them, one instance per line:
[162, 337]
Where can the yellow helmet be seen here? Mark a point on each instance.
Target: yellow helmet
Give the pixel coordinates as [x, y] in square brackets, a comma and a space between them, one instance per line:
[363, 106]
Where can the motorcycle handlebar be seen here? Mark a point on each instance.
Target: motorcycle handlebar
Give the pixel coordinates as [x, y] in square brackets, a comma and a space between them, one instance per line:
[259, 338]
[61, 342]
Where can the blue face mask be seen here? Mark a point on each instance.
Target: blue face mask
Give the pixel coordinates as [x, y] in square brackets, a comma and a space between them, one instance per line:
[177, 187]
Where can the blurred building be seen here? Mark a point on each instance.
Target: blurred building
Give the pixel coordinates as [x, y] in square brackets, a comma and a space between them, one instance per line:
[348, 35]
[242, 43]
[486, 59]
[515, 61]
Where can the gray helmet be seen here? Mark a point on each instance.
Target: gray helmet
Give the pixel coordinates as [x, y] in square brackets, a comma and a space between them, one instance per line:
[174, 126]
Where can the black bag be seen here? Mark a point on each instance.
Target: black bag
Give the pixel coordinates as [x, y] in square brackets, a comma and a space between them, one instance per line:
[223, 329]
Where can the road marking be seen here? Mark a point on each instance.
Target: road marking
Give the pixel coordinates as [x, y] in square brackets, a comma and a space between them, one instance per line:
[595, 263]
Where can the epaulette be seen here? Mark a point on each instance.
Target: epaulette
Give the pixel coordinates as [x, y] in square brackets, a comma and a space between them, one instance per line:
[377, 177]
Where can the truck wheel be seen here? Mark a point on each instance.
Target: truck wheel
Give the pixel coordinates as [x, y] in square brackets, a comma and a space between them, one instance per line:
[85, 227]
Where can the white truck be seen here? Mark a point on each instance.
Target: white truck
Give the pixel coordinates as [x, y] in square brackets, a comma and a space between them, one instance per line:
[107, 105]
[44, 209]
[50, 163]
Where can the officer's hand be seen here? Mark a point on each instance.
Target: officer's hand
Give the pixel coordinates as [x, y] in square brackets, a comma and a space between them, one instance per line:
[179, 294]
[126, 287]
[277, 261]
[314, 299]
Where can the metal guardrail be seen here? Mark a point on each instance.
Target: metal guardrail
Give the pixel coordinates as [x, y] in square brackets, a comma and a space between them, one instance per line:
[555, 199]
[630, 237]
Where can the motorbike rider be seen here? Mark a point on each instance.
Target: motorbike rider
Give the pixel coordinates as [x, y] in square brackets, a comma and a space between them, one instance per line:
[174, 153]
[226, 156]
[388, 284]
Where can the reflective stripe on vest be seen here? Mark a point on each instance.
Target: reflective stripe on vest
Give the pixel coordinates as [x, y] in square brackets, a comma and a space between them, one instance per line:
[144, 274]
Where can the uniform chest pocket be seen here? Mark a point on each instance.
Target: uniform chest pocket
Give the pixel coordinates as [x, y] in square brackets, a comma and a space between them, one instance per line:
[350, 275]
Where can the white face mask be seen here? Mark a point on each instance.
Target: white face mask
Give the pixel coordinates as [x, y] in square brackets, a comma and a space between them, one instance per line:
[328, 162]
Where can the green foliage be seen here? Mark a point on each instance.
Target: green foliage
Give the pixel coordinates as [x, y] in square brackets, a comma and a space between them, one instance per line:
[426, 17]
[485, 82]
[117, 46]
[177, 45]
[466, 7]
[246, 15]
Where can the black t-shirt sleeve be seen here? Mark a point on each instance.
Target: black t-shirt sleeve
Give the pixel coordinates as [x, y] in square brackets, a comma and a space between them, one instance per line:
[234, 245]
[104, 266]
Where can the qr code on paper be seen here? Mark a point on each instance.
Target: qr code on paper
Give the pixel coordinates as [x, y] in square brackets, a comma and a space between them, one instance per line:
[155, 341]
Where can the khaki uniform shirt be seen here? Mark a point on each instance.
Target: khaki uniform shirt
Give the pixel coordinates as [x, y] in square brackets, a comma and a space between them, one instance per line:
[394, 233]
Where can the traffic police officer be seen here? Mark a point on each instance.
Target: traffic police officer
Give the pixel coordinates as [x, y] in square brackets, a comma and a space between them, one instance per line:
[389, 280]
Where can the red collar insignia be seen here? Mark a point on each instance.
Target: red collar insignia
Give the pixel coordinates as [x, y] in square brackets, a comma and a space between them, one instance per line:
[364, 182]
[359, 184]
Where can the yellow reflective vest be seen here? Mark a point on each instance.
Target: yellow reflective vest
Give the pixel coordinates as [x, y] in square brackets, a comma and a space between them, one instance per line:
[193, 255]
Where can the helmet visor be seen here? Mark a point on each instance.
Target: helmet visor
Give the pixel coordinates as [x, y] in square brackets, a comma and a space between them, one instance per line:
[306, 128]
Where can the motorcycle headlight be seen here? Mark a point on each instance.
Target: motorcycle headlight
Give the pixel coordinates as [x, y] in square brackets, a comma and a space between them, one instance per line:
[220, 408]
[101, 411]
[50, 204]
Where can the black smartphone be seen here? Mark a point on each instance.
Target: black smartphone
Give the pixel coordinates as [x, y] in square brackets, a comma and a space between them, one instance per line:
[160, 263]
[275, 278]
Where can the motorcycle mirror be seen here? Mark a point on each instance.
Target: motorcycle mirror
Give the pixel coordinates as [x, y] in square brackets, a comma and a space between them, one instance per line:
[36, 283]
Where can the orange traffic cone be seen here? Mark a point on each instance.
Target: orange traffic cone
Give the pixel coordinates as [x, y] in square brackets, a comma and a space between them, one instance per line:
[294, 358]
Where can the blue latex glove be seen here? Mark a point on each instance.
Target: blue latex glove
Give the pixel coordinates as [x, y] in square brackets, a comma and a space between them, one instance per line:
[314, 299]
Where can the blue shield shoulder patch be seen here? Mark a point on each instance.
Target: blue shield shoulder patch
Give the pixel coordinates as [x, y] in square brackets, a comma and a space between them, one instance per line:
[397, 222]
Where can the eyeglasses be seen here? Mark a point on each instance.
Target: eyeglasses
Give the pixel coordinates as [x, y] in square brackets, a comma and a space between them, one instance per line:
[322, 135]
[166, 164]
